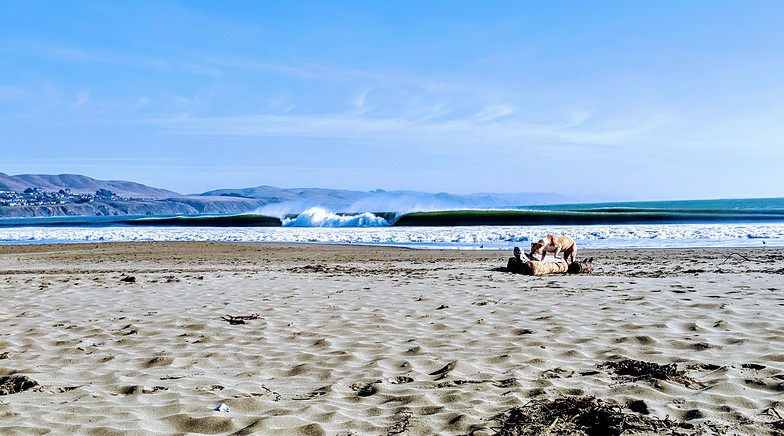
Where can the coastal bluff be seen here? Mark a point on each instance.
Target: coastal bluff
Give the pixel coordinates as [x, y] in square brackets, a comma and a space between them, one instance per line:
[41, 195]
[29, 195]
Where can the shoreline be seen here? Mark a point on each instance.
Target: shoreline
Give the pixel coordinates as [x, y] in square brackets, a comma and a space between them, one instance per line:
[348, 339]
[524, 245]
[598, 237]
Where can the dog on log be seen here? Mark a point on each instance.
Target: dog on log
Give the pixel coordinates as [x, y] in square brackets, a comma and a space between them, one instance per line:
[555, 244]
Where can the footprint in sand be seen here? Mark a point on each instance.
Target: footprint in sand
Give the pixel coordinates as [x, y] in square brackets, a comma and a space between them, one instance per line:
[136, 390]
[365, 389]
[158, 361]
[400, 380]
[313, 394]
[210, 388]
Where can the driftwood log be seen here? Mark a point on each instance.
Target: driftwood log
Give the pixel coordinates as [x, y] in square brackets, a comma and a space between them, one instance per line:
[584, 267]
[538, 268]
[535, 267]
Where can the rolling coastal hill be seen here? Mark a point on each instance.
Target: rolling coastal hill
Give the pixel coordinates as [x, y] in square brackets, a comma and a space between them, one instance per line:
[40, 195]
[79, 184]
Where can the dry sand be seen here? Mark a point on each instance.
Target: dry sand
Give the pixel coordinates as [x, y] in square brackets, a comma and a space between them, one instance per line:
[133, 339]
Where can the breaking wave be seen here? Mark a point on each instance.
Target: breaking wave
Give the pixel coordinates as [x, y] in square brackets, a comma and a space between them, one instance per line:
[320, 217]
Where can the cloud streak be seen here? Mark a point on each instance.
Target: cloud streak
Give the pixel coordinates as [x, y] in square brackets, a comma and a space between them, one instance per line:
[492, 126]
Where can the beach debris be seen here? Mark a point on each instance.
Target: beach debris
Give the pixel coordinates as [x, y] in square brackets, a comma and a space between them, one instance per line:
[556, 373]
[63, 389]
[486, 302]
[400, 423]
[745, 258]
[222, 407]
[269, 391]
[172, 377]
[240, 319]
[576, 416]
[505, 383]
[215, 387]
[158, 361]
[400, 380]
[778, 420]
[365, 389]
[5, 355]
[767, 260]
[445, 369]
[138, 389]
[324, 390]
[523, 331]
[640, 370]
[12, 384]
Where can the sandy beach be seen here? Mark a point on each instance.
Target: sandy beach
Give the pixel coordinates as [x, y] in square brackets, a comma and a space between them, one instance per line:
[149, 338]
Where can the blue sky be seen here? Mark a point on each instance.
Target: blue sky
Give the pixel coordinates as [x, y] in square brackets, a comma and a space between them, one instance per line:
[594, 100]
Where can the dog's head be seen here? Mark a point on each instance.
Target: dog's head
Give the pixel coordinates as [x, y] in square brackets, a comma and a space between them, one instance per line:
[537, 247]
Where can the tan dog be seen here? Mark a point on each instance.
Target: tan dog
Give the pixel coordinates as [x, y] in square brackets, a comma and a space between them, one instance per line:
[555, 244]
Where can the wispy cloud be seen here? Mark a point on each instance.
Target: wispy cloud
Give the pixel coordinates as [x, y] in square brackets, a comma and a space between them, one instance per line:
[504, 130]
[384, 79]
[81, 99]
[64, 53]
[360, 102]
[140, 103]
[11, 92]
[494, 113]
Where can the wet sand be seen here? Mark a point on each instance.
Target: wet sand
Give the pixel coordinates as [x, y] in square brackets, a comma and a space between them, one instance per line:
[148, 338]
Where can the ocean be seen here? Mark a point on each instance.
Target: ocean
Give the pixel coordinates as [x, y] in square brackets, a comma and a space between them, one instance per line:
[627, 225]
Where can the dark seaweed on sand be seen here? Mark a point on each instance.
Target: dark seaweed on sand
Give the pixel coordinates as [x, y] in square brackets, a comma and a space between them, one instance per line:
[13, 384]
[778, 420]
[587, 416]
[641, 370]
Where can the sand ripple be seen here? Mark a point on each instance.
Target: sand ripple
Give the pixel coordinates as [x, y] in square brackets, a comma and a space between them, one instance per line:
[357, 340]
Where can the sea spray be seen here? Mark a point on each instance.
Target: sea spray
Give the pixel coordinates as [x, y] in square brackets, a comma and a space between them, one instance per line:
[319, 217]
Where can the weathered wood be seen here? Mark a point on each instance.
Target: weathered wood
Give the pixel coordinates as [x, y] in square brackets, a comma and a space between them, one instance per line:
[532, 267]
[584, 267]
[537, 268]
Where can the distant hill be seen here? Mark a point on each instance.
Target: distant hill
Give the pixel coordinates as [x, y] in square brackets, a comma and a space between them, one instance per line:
[295, 200]
[129, 198]
[273, 194]
[81, 185]
[132, 198]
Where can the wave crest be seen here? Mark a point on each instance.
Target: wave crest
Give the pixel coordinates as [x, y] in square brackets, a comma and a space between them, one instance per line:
[320, 217]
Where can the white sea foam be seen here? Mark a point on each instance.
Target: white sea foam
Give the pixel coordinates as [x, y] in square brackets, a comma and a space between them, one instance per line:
[473, 237]
[320, 217]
